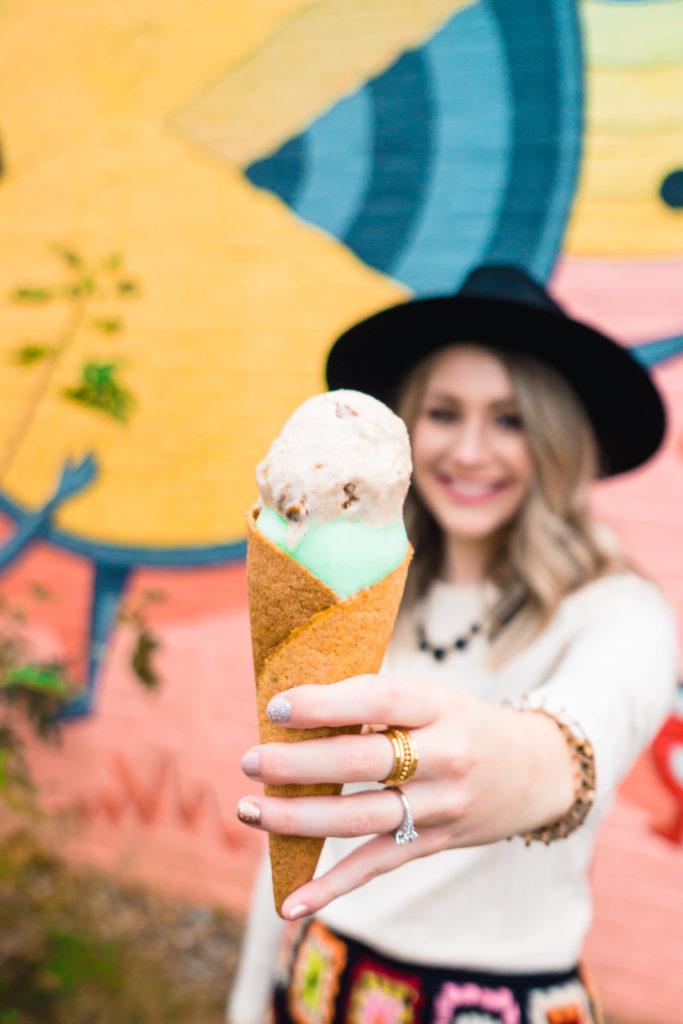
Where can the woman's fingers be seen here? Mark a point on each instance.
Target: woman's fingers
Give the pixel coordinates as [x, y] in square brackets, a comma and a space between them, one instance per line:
[337, 759]
[360, 699]
[366, 862]
[356, 814]
[367, 757]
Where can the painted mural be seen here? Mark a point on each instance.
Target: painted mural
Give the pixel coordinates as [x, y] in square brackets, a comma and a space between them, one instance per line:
[203, 196]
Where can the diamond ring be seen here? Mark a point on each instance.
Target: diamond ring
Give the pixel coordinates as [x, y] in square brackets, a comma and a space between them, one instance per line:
[405, 833]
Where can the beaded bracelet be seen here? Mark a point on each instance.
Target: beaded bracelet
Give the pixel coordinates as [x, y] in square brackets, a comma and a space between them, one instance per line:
[584, 792]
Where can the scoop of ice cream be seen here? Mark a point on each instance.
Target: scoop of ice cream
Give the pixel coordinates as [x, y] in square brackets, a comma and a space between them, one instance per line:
[332, 489]
[346, 555]
[340, 454]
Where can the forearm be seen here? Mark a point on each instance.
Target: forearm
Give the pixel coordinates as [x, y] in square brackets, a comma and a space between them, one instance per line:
[542, 763]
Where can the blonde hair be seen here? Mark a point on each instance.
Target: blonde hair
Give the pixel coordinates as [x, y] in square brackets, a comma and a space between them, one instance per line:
[551, 547]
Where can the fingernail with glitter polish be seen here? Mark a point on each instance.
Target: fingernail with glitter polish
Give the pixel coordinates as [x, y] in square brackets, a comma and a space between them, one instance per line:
[279, 710]
[248, 812]
[250, 762]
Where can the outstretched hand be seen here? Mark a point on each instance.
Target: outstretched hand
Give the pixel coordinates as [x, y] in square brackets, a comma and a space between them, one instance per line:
[485, 773]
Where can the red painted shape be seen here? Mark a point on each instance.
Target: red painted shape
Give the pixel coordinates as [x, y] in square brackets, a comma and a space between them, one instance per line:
[669, 738]
[145, 798]
[156, 793]
[190, 809]
[645, 788]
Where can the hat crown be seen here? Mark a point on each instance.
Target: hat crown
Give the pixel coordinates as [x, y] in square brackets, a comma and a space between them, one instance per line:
[503, 306]
[508, 283]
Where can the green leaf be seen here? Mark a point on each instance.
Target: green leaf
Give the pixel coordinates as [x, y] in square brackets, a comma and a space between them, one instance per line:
[36, 677]
[76, 959]
[27, 355]
[99, 389]
[98, 375]
[30, 293]
[113, 262]
[127, 286]
[110, 325]
[16, 784]
[141, 660]
[69, 256]
[84, 286]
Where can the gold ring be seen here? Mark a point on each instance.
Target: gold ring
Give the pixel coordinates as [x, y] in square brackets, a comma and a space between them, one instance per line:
[405, 757]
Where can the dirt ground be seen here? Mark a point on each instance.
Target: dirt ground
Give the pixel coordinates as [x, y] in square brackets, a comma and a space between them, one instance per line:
[78, 947]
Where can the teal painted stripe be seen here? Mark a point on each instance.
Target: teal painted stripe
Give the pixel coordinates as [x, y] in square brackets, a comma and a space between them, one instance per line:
[569, 144]
[471, 140]
[285, 172]
[115, 554]
[530, 36]
[108, 586]
[402, 144]
[339, 150]
[652, 353]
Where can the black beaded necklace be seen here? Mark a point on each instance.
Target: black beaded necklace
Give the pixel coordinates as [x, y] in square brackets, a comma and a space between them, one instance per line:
[461, 643]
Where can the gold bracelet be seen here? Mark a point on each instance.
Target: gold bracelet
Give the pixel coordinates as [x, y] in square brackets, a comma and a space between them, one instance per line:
[584, 791]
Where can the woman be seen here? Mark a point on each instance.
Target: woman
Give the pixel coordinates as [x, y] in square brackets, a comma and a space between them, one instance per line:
[523, 633]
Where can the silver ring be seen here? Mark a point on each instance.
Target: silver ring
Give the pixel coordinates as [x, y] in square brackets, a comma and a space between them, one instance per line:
[405, 833]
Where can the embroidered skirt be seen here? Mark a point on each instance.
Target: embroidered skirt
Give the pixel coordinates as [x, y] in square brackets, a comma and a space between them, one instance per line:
[325, 978]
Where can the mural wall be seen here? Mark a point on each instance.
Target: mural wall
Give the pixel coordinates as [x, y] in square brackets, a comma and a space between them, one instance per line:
[196, 198]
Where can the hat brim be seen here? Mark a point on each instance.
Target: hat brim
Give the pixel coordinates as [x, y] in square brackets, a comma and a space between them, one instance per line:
[623, 404]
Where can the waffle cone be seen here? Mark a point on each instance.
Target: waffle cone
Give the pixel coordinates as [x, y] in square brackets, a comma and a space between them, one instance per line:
[302, 632]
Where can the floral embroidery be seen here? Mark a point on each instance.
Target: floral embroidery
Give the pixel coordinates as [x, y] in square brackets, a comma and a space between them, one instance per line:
[380, 995]
[498, 1001]
[285, 955]
[561, 1004]
[320, 959]
[474, 1017]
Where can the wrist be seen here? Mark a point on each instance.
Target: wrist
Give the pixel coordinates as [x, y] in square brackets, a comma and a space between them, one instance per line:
[548, 770]
[582, 760]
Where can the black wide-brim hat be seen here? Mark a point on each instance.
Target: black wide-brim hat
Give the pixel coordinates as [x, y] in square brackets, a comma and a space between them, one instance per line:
[503, 307]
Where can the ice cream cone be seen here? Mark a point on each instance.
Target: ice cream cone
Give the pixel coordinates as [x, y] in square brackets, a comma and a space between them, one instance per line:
[302, 632]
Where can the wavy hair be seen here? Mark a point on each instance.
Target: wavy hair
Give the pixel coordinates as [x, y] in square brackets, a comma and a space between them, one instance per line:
[552, 546]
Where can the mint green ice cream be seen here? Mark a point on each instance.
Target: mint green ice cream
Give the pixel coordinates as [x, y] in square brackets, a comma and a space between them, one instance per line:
[347, 555]
[332, 489]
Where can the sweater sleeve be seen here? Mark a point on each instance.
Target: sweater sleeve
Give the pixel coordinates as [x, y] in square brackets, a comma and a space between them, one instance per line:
[617, 678]
[255, 976]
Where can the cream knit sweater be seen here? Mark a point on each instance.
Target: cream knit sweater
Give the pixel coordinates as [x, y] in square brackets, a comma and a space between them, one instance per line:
[608, 661]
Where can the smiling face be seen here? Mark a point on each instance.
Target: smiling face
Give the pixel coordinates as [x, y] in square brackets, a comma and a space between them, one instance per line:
[472, 464]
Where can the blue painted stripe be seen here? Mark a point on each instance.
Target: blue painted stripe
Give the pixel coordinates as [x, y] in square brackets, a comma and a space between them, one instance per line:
[402, 148]
[113, 554]
[569, 68]
[651, 353]
[529, 37]
[471, 140]
[282, 173]
[338, 164]
[108, 585]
